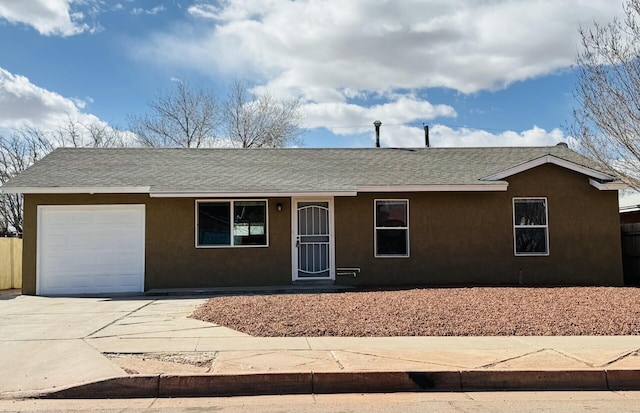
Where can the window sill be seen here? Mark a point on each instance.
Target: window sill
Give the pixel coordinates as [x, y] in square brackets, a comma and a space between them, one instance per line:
[392, 256]
[210, 247]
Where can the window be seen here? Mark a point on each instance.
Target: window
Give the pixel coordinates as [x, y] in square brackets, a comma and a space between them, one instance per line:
[530, 228]
[392, 228]
[231, 223]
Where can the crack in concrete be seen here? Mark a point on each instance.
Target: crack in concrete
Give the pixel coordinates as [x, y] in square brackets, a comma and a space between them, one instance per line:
[251, 356]
[335, 358]
[118, 319]
[401, 359]
[152, 332]
[486, 366]
[575, 358]
[213, 361]
[623, 356]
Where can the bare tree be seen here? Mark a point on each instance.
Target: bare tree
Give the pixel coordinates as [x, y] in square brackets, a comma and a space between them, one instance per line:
[607, 121]
[184, 117]
[23, 146]
[73, 133]
[18, 151]
[262, 122]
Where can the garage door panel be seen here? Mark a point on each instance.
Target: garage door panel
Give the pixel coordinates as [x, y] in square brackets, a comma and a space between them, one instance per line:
[90, 249]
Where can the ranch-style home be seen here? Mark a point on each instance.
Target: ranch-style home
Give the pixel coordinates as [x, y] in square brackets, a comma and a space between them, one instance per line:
[131, 220]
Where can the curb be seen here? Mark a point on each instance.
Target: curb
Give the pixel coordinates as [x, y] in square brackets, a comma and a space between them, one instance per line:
[254, 384]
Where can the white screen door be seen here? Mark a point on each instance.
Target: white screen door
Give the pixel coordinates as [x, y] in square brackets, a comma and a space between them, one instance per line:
[313, 241]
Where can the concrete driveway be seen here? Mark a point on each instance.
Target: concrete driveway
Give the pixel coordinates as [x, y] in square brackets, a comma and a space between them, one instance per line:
[48, 343]
[51, 342]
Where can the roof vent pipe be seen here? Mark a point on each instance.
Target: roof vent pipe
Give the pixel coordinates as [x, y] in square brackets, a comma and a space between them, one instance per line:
[377, 125]
[426, 136]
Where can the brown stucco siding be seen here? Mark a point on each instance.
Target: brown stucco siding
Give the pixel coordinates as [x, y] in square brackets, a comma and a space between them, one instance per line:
[449, 239]
[584, 232]
[455, 238]
[172, 260]
[467, 238]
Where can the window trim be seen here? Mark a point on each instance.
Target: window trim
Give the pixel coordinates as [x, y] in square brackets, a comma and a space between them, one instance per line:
[231, 220]
[376, 228]
[545, 227]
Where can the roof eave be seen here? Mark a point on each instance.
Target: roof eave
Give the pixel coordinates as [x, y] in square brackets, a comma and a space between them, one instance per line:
[608, 186]
[76, 190]
[249, 194]
[484, 187]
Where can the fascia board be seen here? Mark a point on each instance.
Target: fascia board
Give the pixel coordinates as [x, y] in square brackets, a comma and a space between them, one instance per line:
[544, 160]
[501, 186]
[608, 186]
[213, 194]
[76, 190]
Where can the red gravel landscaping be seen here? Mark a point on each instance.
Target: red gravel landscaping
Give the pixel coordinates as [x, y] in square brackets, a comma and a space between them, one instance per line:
[473, 311]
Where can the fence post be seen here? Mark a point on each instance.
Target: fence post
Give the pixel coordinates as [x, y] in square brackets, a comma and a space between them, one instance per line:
[17, 263]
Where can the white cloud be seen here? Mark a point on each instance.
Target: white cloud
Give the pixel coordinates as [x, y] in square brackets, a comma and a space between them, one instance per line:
[208, 11]
[342, 57]
[445, 136]
[319, 45]
[24, 104]
[231, 10]
[48, 17]
[151, 11]
[346, 119]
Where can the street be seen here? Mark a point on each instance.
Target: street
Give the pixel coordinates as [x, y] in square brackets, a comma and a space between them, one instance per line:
[371, 403]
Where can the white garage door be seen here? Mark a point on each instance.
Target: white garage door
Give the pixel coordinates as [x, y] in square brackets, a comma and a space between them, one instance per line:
[90, 249]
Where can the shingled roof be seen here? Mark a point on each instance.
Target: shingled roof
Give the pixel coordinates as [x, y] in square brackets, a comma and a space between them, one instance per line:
[175, 172]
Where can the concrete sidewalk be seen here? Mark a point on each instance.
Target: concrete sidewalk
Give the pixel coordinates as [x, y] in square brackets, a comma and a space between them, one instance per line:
[147, 347]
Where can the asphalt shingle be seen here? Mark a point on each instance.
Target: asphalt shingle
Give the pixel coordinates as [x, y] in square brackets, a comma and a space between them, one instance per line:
[277, 170]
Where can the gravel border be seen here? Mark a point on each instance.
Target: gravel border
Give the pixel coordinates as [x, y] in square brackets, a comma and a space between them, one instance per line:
[467, 311]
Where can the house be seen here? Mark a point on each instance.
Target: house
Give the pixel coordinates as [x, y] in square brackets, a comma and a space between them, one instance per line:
[630, 231]
[131, 220]
[630, 208]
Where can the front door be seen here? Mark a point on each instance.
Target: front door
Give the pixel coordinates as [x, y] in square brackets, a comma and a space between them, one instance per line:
[312, 240]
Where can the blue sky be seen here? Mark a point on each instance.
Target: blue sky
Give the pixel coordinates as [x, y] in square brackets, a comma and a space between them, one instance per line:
[479, 73]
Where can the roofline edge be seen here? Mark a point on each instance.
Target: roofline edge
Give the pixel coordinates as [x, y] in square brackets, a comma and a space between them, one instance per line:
[213, 194]
[76, 190]
[548, 159]
[608, 186]
[488, 187]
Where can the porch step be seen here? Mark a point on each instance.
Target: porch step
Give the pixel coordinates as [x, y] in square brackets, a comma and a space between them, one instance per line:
[297, 287]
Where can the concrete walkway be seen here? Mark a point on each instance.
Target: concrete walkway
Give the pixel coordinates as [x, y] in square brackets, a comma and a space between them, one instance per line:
[123, 343]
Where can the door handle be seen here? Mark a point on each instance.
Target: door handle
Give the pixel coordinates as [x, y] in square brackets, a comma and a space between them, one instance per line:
[297, 243]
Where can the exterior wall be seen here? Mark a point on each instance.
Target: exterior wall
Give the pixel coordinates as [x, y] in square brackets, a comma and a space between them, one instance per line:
[455, 238]
[172, 261]
[467, 238]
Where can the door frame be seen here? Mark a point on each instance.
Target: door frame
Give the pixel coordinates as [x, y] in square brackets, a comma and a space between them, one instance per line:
[294, 235]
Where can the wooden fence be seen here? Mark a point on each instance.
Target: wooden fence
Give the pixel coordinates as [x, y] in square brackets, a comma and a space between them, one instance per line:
[631, 253]
[10, 263]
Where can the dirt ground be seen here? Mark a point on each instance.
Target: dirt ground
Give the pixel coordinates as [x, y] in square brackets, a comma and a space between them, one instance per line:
[472, 311]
